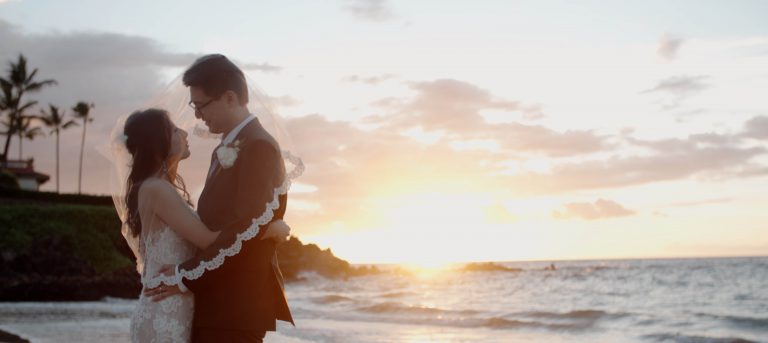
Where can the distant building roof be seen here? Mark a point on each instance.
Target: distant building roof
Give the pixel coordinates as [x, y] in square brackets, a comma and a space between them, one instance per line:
[24, 169]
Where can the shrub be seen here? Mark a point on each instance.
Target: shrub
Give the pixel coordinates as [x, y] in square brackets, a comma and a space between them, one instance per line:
[52, 197]
[92, 233]
[8, 180]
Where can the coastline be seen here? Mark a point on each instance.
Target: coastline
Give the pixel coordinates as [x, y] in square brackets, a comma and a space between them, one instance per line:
[64, 247]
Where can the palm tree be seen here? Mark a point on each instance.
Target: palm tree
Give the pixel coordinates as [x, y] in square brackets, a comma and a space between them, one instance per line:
[56, 121]
[82, 111]
[6, 99]
[7, 103]
[19, 82]
[25, 130]
[19, 124]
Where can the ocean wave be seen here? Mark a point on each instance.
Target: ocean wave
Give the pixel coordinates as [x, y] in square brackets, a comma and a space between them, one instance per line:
[740, 321]
[393, 312]
[55, 311]
[395, 294]
[678, 338]
[394, 307]
[498, 323]
[573, 315]
[504, 323]
[507, 267]
[588, 268]
[331, 299]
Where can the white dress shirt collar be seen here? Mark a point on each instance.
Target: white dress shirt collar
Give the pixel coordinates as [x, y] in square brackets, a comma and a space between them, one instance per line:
[233, 134]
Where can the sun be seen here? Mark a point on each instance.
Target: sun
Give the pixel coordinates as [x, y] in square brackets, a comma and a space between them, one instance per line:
[427, 269]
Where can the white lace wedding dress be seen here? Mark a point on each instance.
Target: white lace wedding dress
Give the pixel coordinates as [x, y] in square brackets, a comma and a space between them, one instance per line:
[169, 320]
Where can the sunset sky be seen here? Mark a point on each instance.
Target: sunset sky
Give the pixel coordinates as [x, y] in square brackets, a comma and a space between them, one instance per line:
[444, 131]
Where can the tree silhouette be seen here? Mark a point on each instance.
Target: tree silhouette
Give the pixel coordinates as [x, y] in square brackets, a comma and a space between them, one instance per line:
[56, 121]
[26, 130]
[82, 111]
[19, 82]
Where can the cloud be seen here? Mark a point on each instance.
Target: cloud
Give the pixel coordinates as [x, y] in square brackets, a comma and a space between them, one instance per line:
[757, 128]
[699, 202]
[688, 145]
[668, 47]
[350, 166]
[455, 107]
[680, 85]
[678, 88]
[715, 156]
[264, 67]
[106, 68]
[600, 209]
[371, 80]
[371, 10]
[116, 72]
[284, 101]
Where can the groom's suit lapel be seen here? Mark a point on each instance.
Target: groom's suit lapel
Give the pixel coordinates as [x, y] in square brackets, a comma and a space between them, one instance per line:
[216, 170]
[212, 197]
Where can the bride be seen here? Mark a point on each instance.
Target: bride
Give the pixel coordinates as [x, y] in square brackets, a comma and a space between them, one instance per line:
[161, 222]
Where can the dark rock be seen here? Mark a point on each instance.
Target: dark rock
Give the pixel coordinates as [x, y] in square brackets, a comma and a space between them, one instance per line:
[295, 257]
[488, 267]
[11, 338]
[38, 287]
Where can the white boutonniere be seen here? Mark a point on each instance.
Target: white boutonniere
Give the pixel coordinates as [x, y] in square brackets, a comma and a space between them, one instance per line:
[227, 154]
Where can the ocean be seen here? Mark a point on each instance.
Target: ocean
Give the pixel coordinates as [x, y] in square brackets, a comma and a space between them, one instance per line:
[649, 300]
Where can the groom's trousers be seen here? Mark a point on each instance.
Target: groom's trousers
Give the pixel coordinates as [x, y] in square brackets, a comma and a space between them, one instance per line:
[207, 335]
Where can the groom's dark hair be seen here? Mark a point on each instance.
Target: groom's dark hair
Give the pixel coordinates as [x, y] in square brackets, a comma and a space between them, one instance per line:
[216, 74]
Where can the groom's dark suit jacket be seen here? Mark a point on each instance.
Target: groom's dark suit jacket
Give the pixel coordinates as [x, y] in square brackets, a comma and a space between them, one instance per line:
[246, 292]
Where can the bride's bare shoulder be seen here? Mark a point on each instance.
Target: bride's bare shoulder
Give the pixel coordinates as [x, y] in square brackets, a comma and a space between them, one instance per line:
[155, 187]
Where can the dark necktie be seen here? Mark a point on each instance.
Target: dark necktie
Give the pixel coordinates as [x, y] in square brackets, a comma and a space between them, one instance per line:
[214, 163]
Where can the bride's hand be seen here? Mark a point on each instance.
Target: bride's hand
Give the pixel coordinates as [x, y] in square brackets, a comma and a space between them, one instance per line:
[163, 291]
[277, 230]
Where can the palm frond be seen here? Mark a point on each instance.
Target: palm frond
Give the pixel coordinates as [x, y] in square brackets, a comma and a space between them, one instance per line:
[69, 124]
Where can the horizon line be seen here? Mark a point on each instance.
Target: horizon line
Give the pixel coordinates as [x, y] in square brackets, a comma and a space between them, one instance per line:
[580, 259]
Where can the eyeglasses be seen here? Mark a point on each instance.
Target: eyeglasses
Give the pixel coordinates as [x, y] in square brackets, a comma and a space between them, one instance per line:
[200, 107]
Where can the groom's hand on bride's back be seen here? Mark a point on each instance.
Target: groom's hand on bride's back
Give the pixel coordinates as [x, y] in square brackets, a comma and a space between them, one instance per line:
[163, 291]
[277, 230]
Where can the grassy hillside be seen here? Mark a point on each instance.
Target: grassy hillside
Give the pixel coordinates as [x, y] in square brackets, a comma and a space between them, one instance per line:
[51, 249]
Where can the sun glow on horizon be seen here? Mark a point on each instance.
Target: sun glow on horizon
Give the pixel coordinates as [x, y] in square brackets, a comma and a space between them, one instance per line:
[427, 269]
[432, 230]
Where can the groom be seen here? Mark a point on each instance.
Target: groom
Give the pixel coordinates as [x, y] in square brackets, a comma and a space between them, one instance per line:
[242, 298]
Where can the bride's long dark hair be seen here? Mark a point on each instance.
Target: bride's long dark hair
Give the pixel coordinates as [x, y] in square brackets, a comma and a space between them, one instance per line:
[149, 134]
